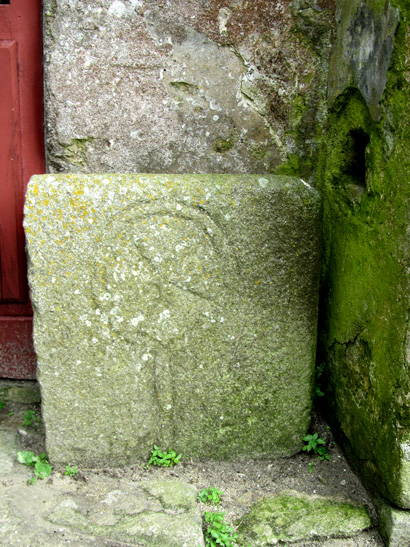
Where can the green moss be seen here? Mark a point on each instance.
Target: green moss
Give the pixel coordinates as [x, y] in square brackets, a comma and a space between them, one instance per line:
[50, 8]
[363, 173]
[292, 516]
[289, 167]
[221, 146]
[76, 150]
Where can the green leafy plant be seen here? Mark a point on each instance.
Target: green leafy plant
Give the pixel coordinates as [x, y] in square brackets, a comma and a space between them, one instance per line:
[318, 445]
[160, 458]
[218, 533]
[30, 419]
[318, 385]
[2, 403]
[311, 466]
[71, 471]
[210, 495]
[42, 469]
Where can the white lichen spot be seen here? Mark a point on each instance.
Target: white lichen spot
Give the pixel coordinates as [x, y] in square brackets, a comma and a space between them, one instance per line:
[223, 17]
[146, 356]
[117, 9]
[88, 323]
[263, 182]
[53, 280]
[178, 207]
[97, 312]
[94, 340]
[135, 320]
[76, 291]
[227, 217]
[168, 407]
[215, 118]
[164, 315]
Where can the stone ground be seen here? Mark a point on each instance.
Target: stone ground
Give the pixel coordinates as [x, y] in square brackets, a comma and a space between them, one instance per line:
[102, 507]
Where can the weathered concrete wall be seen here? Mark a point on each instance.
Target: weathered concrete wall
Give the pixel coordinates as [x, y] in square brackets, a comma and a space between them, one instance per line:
[175, 310]
[184, 86]
[365, 182]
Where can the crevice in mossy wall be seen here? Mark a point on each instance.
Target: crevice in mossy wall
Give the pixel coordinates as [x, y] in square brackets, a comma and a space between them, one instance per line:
[363, 175]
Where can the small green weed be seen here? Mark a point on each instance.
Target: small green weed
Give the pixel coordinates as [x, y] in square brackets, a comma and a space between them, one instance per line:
[315, 443]
[71, 471]
[30, 419]
[218, 533]
[210, 495]
[2, 403]
[11, 413]
[42, 469]
[160, 458]
[311, 466]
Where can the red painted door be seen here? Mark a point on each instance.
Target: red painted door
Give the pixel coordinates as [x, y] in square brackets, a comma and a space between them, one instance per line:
[21, 155]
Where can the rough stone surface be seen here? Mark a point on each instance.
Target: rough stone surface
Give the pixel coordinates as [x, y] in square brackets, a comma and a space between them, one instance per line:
[394, 525]
[185, 86]
[364, 333]
[175, 310]
[7, 451]
[295, 516]
[362, 50]
[151, 515]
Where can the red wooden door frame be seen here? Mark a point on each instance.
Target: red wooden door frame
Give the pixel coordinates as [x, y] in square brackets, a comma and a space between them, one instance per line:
[21, 155]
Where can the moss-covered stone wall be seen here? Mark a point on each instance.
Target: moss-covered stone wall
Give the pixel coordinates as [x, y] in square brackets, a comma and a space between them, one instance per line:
[364, 177]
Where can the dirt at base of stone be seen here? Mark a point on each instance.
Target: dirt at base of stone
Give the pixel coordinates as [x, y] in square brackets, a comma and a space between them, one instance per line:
[242, 483]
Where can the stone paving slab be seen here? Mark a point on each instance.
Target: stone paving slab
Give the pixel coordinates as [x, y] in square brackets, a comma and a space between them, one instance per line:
[100, 511]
